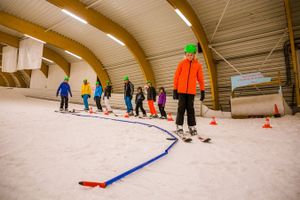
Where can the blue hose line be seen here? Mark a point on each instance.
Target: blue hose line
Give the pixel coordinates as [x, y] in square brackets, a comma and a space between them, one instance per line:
[109, 182]
[134, 169]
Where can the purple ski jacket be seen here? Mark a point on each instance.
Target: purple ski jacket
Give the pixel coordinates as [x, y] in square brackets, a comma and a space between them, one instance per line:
[162, 98]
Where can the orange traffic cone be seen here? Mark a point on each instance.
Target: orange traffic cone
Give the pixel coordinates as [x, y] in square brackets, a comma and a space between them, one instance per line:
[267, 123]
[126, 115]
[105, 111]
[213, 121]
[170, 117]
[91, 110]
[276, 111]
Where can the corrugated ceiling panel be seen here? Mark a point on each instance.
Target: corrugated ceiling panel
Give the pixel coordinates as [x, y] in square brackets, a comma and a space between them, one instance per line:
[162, 39]
[247, 33]
[151, 22]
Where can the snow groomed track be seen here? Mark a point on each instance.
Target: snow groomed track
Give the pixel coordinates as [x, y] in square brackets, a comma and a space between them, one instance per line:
[136, 168]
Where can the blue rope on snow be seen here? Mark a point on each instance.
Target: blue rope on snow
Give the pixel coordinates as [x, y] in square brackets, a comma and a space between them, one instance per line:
[124, 174]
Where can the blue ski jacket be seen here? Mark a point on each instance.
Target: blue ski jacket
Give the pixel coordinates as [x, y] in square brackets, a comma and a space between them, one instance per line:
[98, 91]
[64, 89]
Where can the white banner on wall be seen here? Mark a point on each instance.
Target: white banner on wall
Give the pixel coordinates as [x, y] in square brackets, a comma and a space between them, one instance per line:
[30, 54]
[9, 59]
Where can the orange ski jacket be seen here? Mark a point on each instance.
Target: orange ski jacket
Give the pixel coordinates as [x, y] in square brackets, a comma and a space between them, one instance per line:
[186, 76]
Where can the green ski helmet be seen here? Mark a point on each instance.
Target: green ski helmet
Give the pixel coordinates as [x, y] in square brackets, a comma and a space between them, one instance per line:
[97, 83]
[190, 48]
[66, 78]
[126, 78]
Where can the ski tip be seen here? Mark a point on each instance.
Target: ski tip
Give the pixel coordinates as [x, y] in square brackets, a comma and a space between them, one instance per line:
[171, 138]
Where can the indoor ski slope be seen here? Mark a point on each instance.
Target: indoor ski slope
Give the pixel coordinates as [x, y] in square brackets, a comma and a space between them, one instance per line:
[44, 154]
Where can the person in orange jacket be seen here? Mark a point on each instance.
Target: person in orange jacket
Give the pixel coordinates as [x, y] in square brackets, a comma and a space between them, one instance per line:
[188, 72]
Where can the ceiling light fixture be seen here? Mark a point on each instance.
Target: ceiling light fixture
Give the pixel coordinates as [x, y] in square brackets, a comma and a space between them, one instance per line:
[74, 16]
[35, 38]
[183, 17]
[115, 39]
[68, 52]
[47, 60]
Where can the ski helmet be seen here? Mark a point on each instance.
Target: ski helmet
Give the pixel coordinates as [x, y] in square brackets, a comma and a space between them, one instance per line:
[190, 48]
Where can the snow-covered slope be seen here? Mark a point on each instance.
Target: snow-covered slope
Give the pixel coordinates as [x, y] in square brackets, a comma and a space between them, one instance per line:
[44, 154]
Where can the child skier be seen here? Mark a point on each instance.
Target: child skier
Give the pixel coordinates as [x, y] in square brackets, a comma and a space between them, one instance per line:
[64, 89]
[188, 72]
[162, 98]
[128, 93]
[139, 98]
[151, 98]
[107, 95]
[97, 96]
[86, 93]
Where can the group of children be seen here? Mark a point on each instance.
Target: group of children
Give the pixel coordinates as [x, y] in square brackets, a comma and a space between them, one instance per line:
[188, 72]
[140, 97]
[64, 89]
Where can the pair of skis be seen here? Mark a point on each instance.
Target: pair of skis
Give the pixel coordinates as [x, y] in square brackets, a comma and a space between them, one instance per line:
[188, 139]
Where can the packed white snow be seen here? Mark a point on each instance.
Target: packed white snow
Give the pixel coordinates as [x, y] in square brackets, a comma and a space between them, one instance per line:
[44, 154]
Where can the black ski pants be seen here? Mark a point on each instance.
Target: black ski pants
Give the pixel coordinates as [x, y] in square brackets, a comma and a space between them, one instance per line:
[162, 110]
[64, 101]
[138, 106]
[186, 102]
[98, 102]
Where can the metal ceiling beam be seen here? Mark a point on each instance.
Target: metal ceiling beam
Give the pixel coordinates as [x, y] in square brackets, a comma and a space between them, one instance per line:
[199, 32]
[288, 13]
[47, 53]
[106, 25]
[55, 39]
[58, 59]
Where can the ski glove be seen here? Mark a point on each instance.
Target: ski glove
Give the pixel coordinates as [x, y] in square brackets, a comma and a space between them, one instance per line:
[175, 94]
[202, 95]
[81, 96]
[89, 96]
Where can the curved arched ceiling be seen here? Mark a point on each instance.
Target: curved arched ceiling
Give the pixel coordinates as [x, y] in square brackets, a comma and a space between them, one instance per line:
[159, 31]
[56, 39]
[106, 25]
[117, 60]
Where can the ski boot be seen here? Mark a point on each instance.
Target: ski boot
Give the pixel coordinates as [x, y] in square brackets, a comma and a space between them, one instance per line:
[131, 113]
[179, 131]
[61, 109]
[193, 130]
